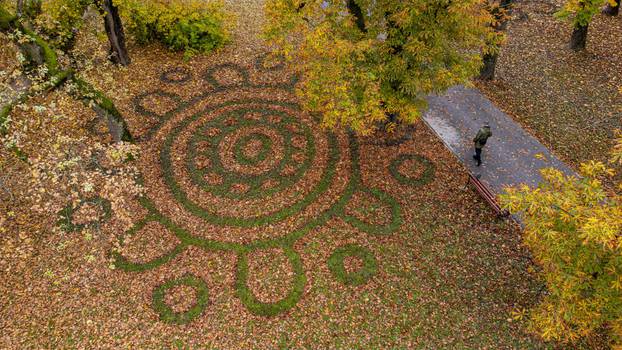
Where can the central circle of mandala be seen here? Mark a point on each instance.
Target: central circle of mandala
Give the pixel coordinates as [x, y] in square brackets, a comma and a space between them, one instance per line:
[252, 163]
[249, 153]
[246, 148]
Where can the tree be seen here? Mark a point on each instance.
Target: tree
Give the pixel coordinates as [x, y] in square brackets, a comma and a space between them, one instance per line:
[612, 8]
[500, 13]
[368, 62]
[579, 13]
[61, 20]
[573, 227]
[114, 30]
[30, 41]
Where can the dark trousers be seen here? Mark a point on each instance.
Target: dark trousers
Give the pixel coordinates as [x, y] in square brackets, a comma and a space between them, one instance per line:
[478, 155]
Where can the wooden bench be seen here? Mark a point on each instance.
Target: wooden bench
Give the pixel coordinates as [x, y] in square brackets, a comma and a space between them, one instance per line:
[488, 196]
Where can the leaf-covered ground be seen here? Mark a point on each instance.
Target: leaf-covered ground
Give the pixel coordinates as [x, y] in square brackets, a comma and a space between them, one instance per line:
[254, 229]
[570, 101]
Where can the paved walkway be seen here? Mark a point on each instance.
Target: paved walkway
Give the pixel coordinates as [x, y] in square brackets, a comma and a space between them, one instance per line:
[509, 158]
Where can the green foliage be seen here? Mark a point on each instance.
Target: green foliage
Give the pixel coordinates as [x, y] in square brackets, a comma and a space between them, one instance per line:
[32, 8]
[4, 116]
[573, 227]
[580, 12]
[407, 50]
[6, 19]
[190, 25]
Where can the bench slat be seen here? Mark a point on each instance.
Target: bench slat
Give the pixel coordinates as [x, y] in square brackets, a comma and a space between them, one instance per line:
[488, 195]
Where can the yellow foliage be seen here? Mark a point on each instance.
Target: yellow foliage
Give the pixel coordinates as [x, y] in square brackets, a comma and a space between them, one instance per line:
[573, 227]
[407, 49]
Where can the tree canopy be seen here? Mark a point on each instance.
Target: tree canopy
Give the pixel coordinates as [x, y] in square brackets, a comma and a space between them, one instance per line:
[364, 62]
[580, 13]
[573, 227]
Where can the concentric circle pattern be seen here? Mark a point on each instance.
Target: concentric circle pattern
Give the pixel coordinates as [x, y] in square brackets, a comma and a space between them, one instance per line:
[253, 163]
[242, 158]
[254, 150]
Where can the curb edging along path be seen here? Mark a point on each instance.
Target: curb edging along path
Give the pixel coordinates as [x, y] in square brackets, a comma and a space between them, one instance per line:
[512, 155]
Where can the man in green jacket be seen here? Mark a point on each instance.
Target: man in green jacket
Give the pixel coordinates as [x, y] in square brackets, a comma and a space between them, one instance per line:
[480, 141]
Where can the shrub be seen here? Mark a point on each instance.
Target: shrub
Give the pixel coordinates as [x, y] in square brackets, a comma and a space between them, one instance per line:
[194, 26]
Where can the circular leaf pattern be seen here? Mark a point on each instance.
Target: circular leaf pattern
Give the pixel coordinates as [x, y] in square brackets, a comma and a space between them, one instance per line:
[427, 175]
[239, 160]
[356, 278]
[166, 312]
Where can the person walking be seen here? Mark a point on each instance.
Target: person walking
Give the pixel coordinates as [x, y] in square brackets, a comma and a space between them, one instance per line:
[480, 141]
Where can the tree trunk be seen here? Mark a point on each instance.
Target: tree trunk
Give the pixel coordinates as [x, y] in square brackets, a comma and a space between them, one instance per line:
[356, 11]
[114, 29]
[612, 10]
[578, 40]
[487, 72]
[488, 69]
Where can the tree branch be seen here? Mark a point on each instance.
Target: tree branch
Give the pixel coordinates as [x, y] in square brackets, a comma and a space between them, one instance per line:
[102, 105]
